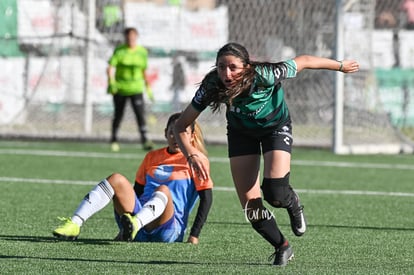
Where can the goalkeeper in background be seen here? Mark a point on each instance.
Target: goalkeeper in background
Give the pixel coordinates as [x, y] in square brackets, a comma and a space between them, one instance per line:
[127, 81]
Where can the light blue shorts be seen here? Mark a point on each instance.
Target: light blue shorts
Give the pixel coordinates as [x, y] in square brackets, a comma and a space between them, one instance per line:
[168, 232]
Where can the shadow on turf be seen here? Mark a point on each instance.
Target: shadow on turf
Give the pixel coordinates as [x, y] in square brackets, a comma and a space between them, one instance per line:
[361, 227]
[230, 223]
[325, 226]
[97, 260]
[124, 262]
[42, 239]
[95, 241]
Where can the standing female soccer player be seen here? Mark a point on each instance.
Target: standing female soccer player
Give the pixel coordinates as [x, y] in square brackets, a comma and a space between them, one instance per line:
[258, 122]
[127, 81]
[157, 208]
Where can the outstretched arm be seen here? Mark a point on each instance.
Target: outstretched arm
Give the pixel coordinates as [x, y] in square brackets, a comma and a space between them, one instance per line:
[314, 62]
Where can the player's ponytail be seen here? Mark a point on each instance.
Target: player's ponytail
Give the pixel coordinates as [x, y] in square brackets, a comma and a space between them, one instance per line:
[198, 141]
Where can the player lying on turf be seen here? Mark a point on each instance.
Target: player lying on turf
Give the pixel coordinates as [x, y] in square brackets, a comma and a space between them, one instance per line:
[157, 208]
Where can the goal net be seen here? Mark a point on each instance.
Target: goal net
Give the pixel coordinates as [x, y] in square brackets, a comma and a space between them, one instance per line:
[54, 55]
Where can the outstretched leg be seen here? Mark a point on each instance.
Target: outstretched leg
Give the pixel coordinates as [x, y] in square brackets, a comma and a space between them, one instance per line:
[115, 187]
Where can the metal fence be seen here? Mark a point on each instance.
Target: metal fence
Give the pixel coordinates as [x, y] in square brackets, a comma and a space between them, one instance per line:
[54, 55]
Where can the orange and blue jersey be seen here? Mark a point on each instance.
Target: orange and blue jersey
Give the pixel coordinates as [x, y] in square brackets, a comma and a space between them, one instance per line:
[160, 167]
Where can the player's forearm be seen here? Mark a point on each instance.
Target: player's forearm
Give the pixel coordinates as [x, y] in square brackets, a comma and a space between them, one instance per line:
[146, 79]
[206, 200]
[314, 62]
[110, 73]
[183, 139]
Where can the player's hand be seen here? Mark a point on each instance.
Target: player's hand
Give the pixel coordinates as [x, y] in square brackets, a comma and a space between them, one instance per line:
[112, 87]
[349, 66]
[197, 167]
[192, 240]
[150, 93]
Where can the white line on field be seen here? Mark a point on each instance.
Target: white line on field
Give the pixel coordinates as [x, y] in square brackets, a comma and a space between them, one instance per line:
[354, 164]
[218, 188]
[52, 181]
[55, 153]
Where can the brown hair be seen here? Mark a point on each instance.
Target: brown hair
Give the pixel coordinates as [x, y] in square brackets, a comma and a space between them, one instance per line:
[130, 29]
[198, 141]
[217, 93]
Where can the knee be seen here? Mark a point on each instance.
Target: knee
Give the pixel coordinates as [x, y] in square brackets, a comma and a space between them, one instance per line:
[117, 179]
[164, 189]
[277, 192]
[162, 192]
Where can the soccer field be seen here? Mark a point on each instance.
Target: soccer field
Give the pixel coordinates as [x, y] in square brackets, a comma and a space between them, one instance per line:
[359, 211]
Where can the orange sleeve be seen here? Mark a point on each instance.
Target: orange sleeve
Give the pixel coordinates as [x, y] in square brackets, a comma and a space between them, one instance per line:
[141, 172]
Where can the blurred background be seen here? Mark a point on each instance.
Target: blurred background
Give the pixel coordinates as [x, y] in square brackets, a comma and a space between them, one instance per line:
[53, 56]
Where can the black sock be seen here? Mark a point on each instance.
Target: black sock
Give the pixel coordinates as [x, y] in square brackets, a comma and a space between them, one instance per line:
[268, 229]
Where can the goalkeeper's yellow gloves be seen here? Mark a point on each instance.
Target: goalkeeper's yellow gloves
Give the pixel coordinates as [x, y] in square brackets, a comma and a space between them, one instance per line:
[149, 93]
[112, 87]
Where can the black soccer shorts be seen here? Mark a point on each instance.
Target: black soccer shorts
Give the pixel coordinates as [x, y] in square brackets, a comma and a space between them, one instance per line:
[242, 143]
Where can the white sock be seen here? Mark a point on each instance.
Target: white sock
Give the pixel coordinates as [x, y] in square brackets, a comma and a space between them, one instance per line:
[153, 208]
[99, 197]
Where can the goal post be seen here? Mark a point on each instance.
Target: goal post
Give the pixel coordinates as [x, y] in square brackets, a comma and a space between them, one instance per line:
[381, 138]
[338, 120]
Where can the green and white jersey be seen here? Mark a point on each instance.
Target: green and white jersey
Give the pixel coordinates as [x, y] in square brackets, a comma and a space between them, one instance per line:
[264, 106]
[130, 66]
